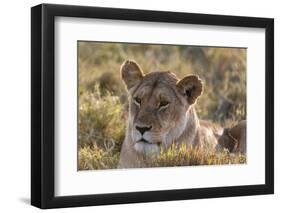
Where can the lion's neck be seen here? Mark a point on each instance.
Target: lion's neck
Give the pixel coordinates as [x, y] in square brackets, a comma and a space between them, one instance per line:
[189, 134]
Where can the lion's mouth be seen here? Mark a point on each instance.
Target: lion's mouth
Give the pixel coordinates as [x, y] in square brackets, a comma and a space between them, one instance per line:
[148, 142]
[144, 141]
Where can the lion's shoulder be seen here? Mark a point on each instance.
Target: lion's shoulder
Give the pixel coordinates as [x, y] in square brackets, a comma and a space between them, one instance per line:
[215, 128]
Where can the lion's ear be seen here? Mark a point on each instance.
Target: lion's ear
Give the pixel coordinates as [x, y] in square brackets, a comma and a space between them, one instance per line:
[131, 73]
[190, 86]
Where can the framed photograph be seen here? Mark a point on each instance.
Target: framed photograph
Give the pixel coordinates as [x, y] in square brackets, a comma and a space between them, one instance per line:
[139, 106]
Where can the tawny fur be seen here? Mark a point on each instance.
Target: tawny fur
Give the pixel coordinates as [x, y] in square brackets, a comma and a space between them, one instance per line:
[173, 123]
[234, 139]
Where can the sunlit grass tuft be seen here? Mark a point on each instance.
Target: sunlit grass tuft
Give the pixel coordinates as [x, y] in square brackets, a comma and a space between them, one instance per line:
[93, 157]
[102, 119]
[194, 156]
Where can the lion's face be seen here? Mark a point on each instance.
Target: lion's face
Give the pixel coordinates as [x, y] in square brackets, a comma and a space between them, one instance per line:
[158, 105]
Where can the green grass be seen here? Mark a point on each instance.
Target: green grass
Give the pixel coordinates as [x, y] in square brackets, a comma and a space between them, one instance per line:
[103, 99]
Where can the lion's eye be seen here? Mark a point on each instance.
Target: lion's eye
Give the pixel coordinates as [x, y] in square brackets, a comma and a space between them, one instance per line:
[163, 104]
[137, 101]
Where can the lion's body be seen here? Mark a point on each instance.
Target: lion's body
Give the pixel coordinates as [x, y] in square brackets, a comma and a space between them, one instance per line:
[162, 113]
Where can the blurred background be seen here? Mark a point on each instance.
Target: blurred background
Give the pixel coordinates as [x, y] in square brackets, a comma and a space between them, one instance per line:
[103, 98]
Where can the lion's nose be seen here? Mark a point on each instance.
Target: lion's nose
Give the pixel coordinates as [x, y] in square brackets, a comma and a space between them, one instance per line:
[143, 129]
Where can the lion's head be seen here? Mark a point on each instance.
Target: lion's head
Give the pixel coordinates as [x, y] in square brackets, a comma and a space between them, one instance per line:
[158, 106]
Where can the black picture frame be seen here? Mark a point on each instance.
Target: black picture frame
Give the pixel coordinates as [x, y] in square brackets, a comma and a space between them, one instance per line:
[43, 105]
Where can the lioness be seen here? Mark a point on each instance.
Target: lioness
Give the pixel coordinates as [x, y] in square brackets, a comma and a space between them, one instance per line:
[161, 112]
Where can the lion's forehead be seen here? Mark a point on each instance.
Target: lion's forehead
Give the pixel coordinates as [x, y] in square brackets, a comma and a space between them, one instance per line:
[167, 77]
[162, 85]
[160, 91]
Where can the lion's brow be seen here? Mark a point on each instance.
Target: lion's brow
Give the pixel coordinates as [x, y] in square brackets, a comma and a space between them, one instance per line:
[136, 89]
[154, 85]
[174, 91]
[141, 84]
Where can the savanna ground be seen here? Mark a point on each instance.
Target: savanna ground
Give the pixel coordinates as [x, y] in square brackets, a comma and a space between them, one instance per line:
[103, 98]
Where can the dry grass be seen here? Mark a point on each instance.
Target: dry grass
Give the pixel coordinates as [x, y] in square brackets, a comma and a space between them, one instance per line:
[103, 99]
[190, 156]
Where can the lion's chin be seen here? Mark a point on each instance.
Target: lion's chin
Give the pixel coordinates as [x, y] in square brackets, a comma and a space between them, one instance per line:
[147, 149]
